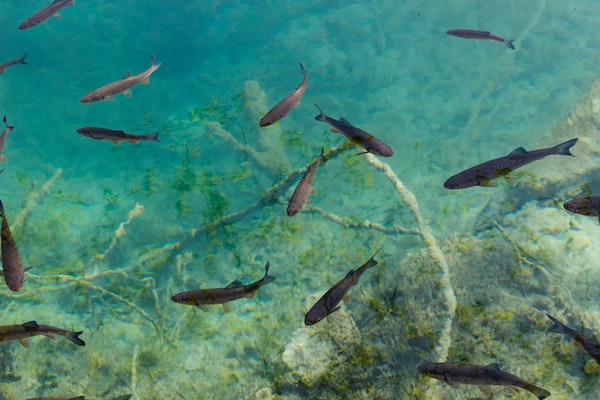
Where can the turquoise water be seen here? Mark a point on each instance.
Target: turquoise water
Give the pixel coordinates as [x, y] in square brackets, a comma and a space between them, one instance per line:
[442, 103]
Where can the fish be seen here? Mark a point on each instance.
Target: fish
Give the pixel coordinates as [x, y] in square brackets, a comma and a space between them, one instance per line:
[284, 107]
[121, 86]
[357, 136]
[7, 129]
[15, 61]
[234, 291]
[588, 343]
[483, 174]
[45, 13]
[455, 373]
[31, 328]
[12, 269]
[110, 135]
[57, 398]
[480, 35]
[304, 187]
[328, 303]
[589, 205]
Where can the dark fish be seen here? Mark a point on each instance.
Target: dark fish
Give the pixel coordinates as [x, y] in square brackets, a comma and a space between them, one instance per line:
[298, 199]
[328, 303]
[357, 136]
[455, 373]
[235, 290]
[483, 174]
[57, 398]
[7, 129]
[97, 133]
[31, 328]
[480, 35]
[18, 60]
[283, 108]
[585, 206]
[45, 13]
[122, 86]
[12, 269]
[589, 343]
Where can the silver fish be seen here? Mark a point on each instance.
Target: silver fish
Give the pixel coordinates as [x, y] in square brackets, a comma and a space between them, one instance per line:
[12, 269]
[283, 108]
[45, 13]
[585, 206]
[5, 132]
[121, 86]
[18, 60]
[31, 328]
[480, 35]
[304, 187]
[455, 373]
[234, 291]
[357, 136]
[328, 303]
[589, 343]
[110, 135]
[483, 174]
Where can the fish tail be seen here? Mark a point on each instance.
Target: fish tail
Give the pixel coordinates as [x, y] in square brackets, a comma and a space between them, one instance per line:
[372, 261]
[509, 44]
[302, 69]
[74, 337]
[321, 116]
[152, 137]
[558, 326]
[10, 128]
[21, 59]
[267, 278]
[538, 392]
[563, 148]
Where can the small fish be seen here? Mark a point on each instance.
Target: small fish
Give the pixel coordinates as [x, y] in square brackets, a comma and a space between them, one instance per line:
[455, 373]
[357, 136]
[479, 35]
[483, 174]
[235, 290]
[45, 13]
[18, 60]
[12, 269]
[97, 133]
[585, 206]
[57, 398]
[328, 303]
[283, 108]
[31, 328]
[588, 343]
[304, 188]
[5, 132]
[122, 86]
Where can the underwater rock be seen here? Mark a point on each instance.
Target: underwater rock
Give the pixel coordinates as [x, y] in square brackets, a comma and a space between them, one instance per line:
[313, 348]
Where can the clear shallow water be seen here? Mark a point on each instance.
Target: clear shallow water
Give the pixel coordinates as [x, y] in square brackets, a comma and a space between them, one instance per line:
[443, 104]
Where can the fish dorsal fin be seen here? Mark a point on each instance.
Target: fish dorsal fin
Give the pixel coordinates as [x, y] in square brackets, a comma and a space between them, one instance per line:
[344, 121]
[234, 284]
[31, 325]
[349, 274]
[127, 75]
[519, 151]
[495, 366]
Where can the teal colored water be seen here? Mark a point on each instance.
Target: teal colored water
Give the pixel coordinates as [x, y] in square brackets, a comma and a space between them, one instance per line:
[112, 231]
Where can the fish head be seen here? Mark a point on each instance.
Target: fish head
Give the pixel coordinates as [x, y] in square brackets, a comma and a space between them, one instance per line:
[459, 182]
[578, 206]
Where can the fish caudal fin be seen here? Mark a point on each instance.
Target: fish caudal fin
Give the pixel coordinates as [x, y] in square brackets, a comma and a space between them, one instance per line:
[509, 44]
[558, 327]
[74, 337]
[10, 128]
[267, 278]
[563, 148]
[152, 137]
[539, 392]
[321, 116]
[21, 59]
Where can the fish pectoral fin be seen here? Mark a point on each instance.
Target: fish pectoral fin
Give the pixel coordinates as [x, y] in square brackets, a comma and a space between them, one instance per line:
[333, 130]
[202, 307]
[226, 307]
[234, 284]
[487, 392]
[483, 181]
[145, 81]
[127, 93]
[512, 181]
[24, 343]
[3, 158]
[57, 16]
